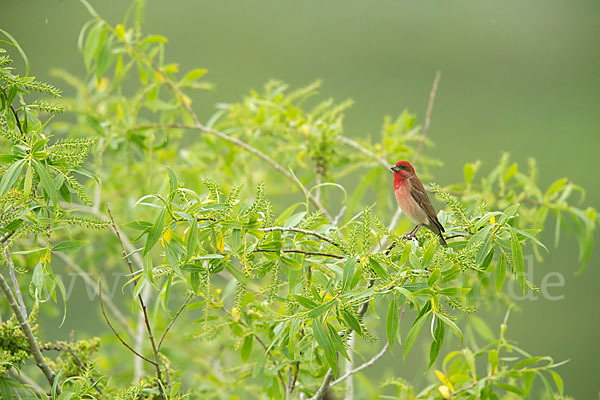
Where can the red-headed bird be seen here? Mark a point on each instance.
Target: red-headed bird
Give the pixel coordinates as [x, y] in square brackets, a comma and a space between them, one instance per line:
[413, 200]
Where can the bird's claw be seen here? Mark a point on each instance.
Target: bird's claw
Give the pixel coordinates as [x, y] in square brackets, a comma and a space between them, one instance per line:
[409, 236]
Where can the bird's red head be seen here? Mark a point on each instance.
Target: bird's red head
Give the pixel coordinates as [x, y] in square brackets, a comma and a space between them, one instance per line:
[403, 169]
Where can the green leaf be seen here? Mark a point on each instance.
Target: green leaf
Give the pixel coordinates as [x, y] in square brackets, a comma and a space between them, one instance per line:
[11, 175]
[452, 326]
[484, 249]
[429, 253]
[305, 302]
[69, 245]
[237, 274]
[91, 44]
[493, 360]
[324, 342]
[436, 345]
[392, 322]
[348, 274]
[500, 272]
[378, 269]
[510, 388]
[294, 220]
[192, 240]
[47, 181]
[172, 180]
[337, 342]
[246, 349]
[454, 291]
[517, 256]
[558, 381]
[511, 172]
[351, 321]
[435, 276]
[319, 310]
[194, 75]
[155, 232]
[414, 332]
[531, 237]
[28, 182]
[291, 263]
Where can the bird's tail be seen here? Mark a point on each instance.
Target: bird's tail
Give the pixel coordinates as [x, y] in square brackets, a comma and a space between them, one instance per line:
[442, 240]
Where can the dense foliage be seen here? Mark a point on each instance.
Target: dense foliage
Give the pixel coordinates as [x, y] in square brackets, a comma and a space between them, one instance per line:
[258, 264]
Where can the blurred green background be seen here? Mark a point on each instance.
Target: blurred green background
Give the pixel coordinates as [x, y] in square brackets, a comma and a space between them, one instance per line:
[521, 77]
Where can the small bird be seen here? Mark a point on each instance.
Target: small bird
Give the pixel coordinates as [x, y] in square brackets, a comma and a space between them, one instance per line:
[413, 200]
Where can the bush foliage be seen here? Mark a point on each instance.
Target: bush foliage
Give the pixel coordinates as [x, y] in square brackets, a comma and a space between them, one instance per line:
[262, 248]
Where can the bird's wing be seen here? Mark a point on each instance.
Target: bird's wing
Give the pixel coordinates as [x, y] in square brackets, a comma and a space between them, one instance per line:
[418, 193]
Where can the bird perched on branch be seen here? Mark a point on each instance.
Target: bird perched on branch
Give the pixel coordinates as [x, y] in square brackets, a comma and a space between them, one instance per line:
[413, 200]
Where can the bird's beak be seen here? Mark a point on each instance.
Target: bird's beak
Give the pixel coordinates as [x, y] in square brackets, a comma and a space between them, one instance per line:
[395, 168]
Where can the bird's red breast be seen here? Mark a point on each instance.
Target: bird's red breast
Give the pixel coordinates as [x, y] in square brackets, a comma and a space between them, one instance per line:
[406, 202]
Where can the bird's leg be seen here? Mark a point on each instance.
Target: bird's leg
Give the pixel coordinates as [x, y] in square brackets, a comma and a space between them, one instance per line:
[412, 234]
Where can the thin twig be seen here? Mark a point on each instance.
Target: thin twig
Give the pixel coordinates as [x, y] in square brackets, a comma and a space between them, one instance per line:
[26, 380]
[138, 365]
[115, 331]
[14, 113]
[303, 231]
[197, 125]
[305, 252]
[324, 386]
[144, 309]
[362, 366]
[349, 395]
[92, 284]
[15, 282]
[83, 368]
[26, 329]
[365, 151]
[432, 94]
[185, 303]
[278, 167]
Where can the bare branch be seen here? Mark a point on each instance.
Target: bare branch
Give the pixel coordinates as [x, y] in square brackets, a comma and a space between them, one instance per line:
[82, 366]
[362, 366]
[305, 252]
[324, 386]
[26, 329]
[26, 380]
[303, 231]
[115, 331]
[199, 126]
[144, 309]
[185, 303]
[92, 284]
[278, 167]
[432, 94]
[15, 282]
[365, 151]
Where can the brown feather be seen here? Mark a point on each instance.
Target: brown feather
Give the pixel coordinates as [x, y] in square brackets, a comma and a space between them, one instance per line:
[418, 193]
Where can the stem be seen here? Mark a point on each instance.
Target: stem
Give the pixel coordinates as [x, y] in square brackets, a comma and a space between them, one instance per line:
[82, 365]
[115, 331]
[303, 231]
[185, 303]
[365, 151]
[15, 283]
[324, 386]
[26, 329]
[362, 366]
[432, 94]
[92, 284]
[305, 252]
[278, 167]
[144, 309]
